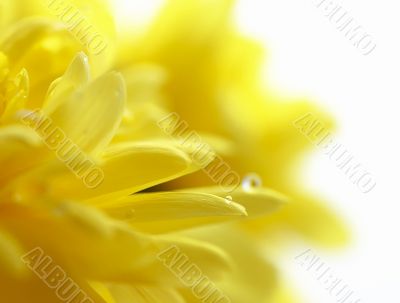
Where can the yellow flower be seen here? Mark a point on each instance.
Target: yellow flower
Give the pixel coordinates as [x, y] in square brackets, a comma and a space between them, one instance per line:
[96, 235]
[84, 160]
[212, 79]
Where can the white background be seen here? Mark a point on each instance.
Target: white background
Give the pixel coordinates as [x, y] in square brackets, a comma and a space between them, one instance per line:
[308, 56]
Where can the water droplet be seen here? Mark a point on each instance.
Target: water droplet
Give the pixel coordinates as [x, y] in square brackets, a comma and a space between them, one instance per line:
[251, 181]
[228, 199]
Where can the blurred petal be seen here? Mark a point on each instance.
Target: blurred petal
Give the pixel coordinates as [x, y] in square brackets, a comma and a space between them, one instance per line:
[34, 43]
[80, 239]
[145, 294]
[253, 278]
[309, 218]
[10, 255]
[18, 142]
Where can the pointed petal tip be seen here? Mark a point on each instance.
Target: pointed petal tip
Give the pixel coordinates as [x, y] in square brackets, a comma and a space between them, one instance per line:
[79, 68]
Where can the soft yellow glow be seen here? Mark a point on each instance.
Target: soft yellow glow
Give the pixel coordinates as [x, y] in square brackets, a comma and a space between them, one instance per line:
[134, 12]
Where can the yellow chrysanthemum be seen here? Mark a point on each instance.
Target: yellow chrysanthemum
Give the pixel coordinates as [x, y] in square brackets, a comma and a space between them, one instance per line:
[212, 81]
[108, 238]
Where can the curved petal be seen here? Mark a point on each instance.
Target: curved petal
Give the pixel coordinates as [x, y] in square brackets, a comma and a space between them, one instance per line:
[85, 19]
[177, 253]
[34, 43]
[83, 241]
[168, 211]
[252, 279]
[76, 77]
[307, 217]
[89, 117]
[127, 168]
[256, 201]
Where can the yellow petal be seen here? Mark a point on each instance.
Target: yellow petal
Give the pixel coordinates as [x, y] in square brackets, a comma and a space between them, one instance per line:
[256, 201]
[103, 291]
[20, 150]
[84, 19]
[76, 76]
[145, 294]
[253, 278]
[183, 21]
[89, 117]
[308, 217]
[86, 243]
[168, 211]
[175, 253]
[127, 168]
[34, 43]
[33, 289]
[83, 241]
[17, 95]
[140, 123]
[219, 144]
[10, 255]
[7, 12]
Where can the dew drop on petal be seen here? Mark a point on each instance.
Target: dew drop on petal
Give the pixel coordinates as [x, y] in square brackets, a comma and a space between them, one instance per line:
[228, 199]
[251, 181]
